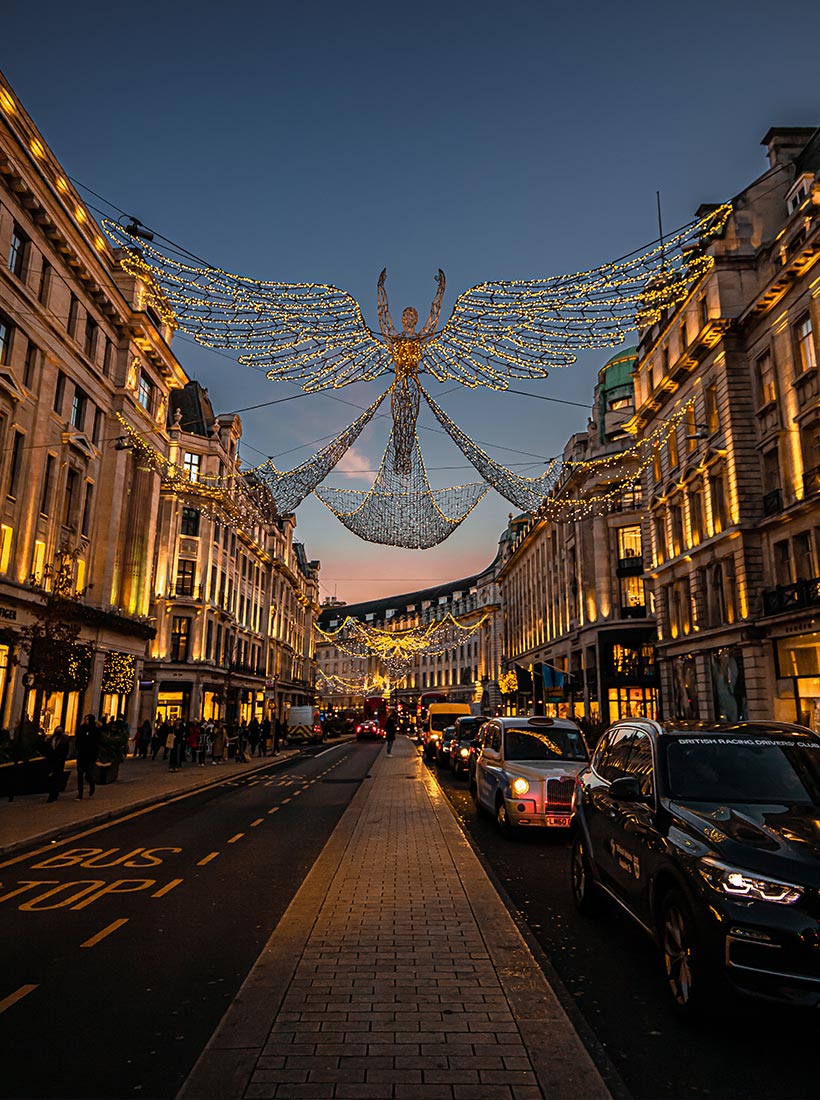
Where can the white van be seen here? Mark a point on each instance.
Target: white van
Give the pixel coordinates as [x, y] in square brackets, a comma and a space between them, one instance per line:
[304, 725]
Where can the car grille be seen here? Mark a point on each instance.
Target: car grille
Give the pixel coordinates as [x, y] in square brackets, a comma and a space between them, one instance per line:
[559, 794]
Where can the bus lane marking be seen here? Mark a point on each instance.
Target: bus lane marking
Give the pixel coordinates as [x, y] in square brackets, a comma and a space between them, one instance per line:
[207, 859]
[109, 928]
[167, 888]
[234, 839]
[18, 995]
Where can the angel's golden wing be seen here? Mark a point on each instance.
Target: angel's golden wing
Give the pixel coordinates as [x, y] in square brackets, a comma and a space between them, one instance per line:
[310, 333]
[505, 330]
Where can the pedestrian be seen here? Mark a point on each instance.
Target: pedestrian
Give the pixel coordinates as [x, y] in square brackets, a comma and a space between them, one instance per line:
[86, 747]
[220, 744]
[205, 742]
[194, 734]
[390, 731]
[56, 753]
[144, 738]
[264, 736]
[277, 735]
[177, 746]
[254, 733]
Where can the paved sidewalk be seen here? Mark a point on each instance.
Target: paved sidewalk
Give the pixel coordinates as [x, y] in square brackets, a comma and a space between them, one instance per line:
[396, 972]
[30, 819]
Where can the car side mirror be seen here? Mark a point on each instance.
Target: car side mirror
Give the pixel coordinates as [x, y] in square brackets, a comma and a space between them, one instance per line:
[626, 789]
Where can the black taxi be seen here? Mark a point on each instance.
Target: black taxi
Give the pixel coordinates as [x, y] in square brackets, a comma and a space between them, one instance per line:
[709, 837]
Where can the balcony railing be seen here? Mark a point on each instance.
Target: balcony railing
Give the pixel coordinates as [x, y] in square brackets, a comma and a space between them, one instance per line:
[786, 597]
[637, 611]
[773, 502]
[185, 592]
[811, 481]
[630, 566]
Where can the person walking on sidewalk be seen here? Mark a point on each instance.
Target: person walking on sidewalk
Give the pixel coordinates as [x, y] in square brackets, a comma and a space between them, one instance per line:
[390, 731]
[144, 739]
[87, 745]
[56, 753]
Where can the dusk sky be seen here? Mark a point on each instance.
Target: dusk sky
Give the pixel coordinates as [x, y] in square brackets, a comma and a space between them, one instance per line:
[322, 142]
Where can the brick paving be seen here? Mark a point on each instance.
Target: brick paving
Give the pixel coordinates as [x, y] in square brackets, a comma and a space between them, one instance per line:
[397, 972]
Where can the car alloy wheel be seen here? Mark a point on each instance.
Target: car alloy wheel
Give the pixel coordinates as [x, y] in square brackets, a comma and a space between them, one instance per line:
[680, 953]
[506, 828]
[585, 893]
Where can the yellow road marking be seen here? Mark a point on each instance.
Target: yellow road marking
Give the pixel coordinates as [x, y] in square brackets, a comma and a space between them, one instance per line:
[13, 998]
[207, 859]
[296, 794]
[285, 801]
[167, 888]
[234, 839]
[258, 821]
[105, 932]
[275, 810]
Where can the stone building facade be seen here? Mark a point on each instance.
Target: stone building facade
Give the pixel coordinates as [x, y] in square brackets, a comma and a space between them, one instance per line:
[86, 368]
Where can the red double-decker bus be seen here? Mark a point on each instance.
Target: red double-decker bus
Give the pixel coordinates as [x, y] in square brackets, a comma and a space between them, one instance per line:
[375, 709]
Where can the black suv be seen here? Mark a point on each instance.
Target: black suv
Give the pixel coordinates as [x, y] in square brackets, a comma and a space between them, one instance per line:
[709, 836]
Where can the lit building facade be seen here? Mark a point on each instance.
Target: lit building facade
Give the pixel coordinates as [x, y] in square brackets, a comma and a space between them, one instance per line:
[577, 618]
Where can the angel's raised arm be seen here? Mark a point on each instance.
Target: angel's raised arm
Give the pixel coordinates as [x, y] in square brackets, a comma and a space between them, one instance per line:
[435, 308]
[385, 320]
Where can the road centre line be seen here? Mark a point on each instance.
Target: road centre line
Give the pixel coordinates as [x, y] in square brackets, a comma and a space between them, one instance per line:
[285, 801]
[13, 998]
[167, 888]
[109, 928]
[207, 859]
[274, 810]
[258, 821]
[234, 839]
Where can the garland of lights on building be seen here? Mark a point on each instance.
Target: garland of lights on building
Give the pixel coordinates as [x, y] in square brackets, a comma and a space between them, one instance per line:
[361, 685]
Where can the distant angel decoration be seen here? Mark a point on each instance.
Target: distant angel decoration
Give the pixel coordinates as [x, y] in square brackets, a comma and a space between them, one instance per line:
[314, 334]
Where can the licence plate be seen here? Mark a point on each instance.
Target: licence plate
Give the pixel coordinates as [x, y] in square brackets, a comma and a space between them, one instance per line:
[559, 820]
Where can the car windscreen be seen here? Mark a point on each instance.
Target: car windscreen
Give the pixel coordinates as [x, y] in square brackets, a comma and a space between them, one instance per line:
[440, 721]
[741, 769]
[552, 743]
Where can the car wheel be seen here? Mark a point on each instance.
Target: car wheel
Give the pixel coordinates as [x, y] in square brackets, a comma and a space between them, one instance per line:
[585, 892]
[682, 955]
[502, 820]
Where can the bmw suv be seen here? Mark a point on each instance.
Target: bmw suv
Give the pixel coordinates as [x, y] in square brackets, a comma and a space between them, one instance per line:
[709, 837]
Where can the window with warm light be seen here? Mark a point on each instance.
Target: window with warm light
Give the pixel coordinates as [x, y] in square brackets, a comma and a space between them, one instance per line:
[765, 380]
[6, 329]
[720, 512]
[712, 418]
[192, 464]
[180, 637]
[145, 395]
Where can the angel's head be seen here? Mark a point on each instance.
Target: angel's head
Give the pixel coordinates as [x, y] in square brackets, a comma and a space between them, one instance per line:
[409, 319]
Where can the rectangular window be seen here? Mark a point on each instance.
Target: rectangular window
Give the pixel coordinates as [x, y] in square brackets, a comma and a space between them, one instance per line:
[73, 314]
[691, 429]
[180, 636]
[629, 542]
[17, 252]
[190, 521]
[712, 421]
[5, 340]
[145, 395]
[90, 338]
[107, 357]
[186, 575]
[212, 589]
[660, 539]
[783, 562]
[192, 464]
[218, 650]
[672, 448]
[16, 463]
[764, 378]
[632, 593]
[85, 527]
[70, 498]
[703, 307]
[676, 519]
[32, 354]
[78, 409]
[59, 393]
[209, 639]
[720, 514]
[38, 560]
[6, 535]
[45, 282]
[803, 559]
[96, 431]
[696, 514]
[804, 345]
[47, 477]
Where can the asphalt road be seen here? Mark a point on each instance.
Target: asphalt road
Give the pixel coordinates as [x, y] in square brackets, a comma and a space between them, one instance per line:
[124, 948]
[612, 974]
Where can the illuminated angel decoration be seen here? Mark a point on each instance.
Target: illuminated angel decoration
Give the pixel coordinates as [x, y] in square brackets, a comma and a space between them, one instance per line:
[315, 335]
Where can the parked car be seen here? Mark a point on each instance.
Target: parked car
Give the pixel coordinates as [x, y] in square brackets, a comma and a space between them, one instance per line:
[709, 837]
[367, 729]
[475, 752]
[439, 717]
[526, 770]
[443, 746]
[466, 733]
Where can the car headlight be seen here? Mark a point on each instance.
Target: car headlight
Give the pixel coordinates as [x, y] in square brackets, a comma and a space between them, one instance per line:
[519, 787]
[435, 737]
[464, 752]
[741, 884]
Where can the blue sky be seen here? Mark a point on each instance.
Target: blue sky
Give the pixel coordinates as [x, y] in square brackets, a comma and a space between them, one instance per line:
[323, 142]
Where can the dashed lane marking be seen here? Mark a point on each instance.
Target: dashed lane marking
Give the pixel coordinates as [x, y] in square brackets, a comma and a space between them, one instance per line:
[234, 839]
[207, 859]
[285, 801]
[13, 998]
[109, 928]
[274, 810]
[258, 821]
[167, 888]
